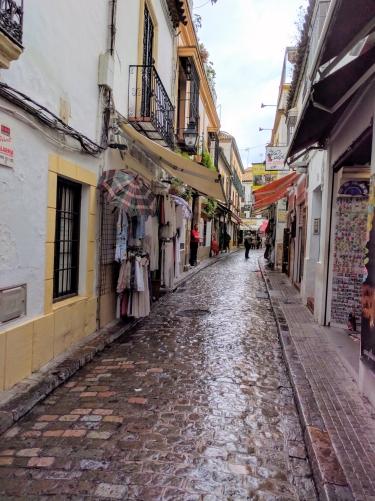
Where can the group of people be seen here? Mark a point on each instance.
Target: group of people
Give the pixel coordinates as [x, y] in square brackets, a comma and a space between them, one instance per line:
[224, 244]
[252, 241]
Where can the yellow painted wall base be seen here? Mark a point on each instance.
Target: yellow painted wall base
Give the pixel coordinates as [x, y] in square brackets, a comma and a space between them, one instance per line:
[107, 311]
[25, 348]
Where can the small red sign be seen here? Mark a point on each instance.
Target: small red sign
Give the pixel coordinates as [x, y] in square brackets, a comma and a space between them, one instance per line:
[5, 130]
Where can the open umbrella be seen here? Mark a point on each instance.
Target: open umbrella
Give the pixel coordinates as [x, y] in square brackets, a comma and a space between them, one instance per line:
[127, 191]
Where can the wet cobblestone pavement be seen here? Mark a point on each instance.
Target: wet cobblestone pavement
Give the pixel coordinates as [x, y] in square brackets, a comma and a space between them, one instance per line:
[194, 404]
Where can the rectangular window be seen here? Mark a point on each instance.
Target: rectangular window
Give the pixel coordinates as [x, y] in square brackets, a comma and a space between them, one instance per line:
[68, 215]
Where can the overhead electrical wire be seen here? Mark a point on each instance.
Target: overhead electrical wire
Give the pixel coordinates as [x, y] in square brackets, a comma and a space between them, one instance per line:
[46, 117]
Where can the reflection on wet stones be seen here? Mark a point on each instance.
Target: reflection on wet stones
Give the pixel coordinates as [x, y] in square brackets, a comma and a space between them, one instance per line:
[202, 407]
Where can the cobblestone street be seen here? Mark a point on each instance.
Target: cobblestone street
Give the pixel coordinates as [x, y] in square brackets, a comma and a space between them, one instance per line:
[193, 404]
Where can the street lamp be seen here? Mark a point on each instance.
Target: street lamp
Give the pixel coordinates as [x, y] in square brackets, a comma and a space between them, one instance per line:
[191, 136]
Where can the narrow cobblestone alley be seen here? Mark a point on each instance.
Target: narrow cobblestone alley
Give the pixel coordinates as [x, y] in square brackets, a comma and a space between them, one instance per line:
[193, 404]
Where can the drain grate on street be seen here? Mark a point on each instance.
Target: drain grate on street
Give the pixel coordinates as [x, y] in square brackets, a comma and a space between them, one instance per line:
[192, 313]
[261, 295]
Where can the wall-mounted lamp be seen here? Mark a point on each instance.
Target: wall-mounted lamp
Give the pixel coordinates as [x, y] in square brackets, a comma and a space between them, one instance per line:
[191, 136]
[188, 69]
[265, 105]
[261, 128]
[116, 140]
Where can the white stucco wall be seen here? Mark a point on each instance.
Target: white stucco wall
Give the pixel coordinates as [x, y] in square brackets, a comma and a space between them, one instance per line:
[128, 21]
[62, 42]
[127, 27]
[314, 204]
[60, 60]
[23, 212]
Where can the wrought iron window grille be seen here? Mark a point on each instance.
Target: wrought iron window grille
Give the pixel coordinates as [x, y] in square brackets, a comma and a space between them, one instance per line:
[11, 20]
[66, 262]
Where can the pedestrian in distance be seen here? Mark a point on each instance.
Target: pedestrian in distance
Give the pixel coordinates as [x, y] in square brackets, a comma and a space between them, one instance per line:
[214, 245]
[194, 242]
[227, 240]
[247, 246]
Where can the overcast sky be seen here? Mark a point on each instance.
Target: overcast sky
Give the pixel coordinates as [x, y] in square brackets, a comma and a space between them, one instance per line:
[246, 40]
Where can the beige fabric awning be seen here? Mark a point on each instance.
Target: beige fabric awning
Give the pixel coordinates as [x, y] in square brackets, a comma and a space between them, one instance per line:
[196, 176]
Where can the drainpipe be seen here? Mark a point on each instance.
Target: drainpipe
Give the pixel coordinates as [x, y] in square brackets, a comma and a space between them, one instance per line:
[112, 27]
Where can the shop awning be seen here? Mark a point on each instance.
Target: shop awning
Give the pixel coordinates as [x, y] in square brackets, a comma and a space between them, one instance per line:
[274, 191]
[196, 176]
[358, 153]
[349, 18]
[328, 99]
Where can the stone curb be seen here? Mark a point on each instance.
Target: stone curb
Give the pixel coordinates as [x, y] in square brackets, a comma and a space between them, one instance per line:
[319, 447]
[32, 390]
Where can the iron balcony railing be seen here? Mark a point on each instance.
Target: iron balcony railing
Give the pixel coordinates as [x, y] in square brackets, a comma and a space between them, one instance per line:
[149, 108]
[11, 19]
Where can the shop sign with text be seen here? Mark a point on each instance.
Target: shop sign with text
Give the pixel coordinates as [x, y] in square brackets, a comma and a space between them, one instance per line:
[275, 158]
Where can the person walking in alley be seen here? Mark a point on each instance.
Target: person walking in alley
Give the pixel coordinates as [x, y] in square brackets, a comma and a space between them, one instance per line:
[214, 245]
[247, 246]
[194, 242]
[227, 240]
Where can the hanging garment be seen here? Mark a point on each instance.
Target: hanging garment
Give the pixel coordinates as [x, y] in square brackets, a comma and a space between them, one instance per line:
[140, 228]
[179, 218]
[121, 236]
[167, 264]
[151, 242]
[139, 285]
[121, 283]
[140, 300]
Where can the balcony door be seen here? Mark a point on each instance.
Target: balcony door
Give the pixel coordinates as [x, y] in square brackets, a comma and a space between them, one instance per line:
[148, 61]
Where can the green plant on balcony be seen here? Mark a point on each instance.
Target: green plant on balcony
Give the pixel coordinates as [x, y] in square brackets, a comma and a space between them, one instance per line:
[179, 189]
[207, 160]
[209, 208]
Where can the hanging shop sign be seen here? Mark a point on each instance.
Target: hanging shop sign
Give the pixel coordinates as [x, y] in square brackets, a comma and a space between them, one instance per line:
[261, 176]
[282, 216]
[275, 158]
[368, 288]
[6, 147]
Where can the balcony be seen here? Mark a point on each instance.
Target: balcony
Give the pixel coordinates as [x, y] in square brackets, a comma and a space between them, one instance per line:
[11, 20]
[150, 110]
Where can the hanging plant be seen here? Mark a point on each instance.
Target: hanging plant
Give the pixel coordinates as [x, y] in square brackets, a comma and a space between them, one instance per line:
[207, 160]
[209, 208]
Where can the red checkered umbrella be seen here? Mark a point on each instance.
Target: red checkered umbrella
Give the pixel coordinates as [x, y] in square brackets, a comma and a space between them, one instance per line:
[127, 191]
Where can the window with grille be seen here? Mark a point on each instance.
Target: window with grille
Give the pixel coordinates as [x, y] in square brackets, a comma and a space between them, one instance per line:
[68, 215]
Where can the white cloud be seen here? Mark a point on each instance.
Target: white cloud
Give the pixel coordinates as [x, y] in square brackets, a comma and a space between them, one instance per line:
[246, 40]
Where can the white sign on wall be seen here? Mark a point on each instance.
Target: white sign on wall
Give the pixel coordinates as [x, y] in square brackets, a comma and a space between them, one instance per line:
[275, 158]
[6, 147]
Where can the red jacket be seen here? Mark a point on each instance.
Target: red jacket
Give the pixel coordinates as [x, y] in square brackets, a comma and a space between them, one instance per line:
[195, 237]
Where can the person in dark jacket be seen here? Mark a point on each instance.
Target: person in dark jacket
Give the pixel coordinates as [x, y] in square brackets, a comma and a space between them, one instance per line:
[227, 240]
[247, 246]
